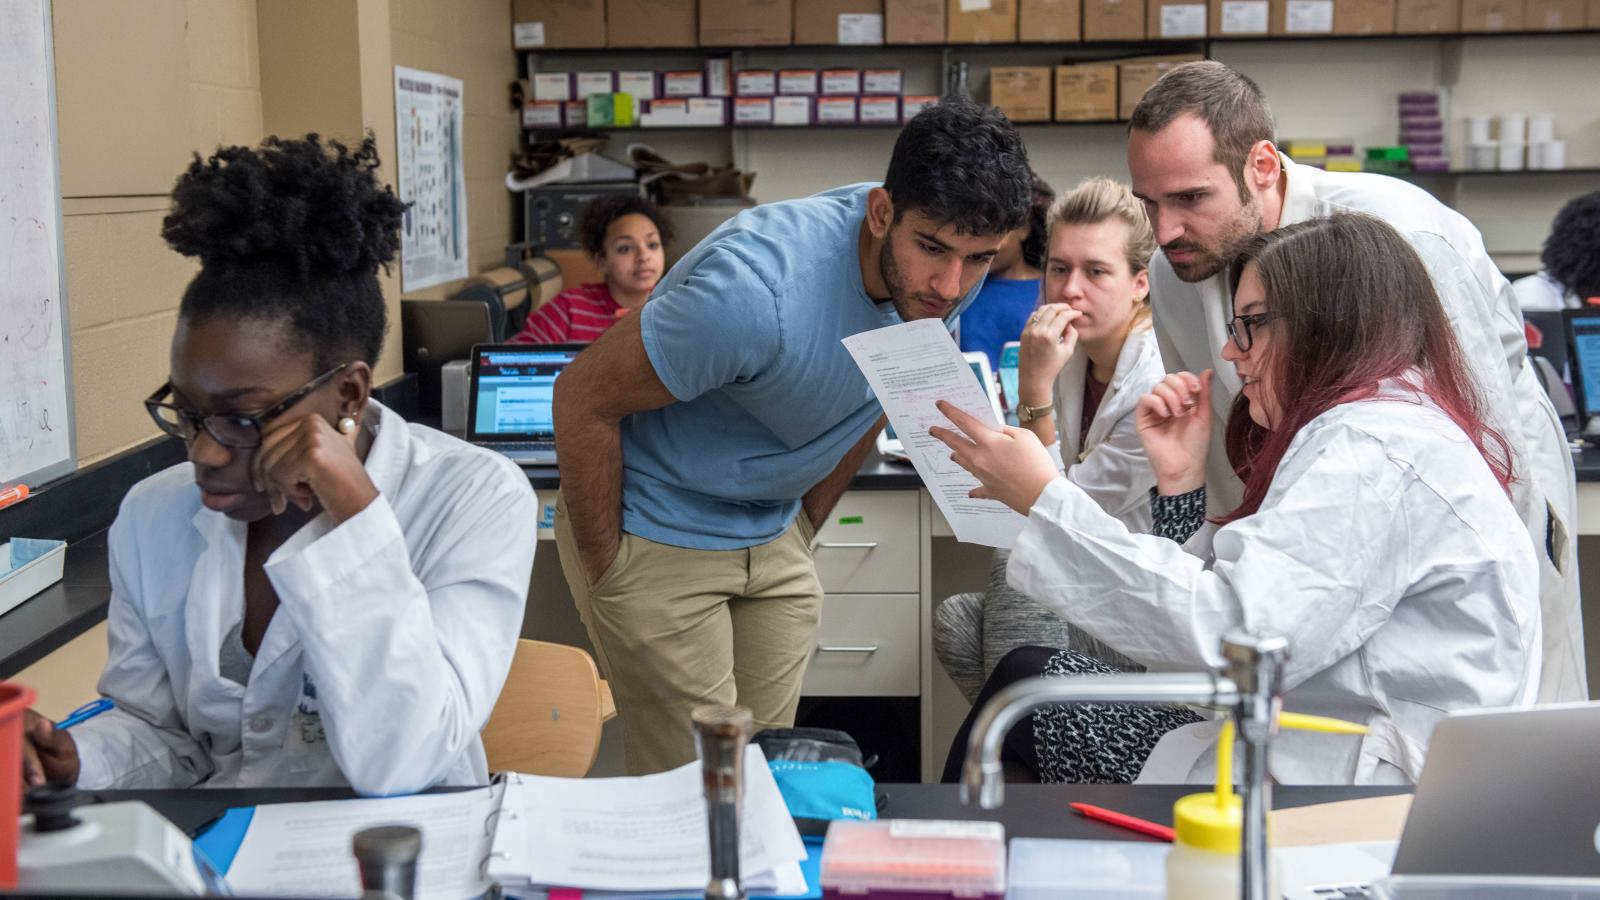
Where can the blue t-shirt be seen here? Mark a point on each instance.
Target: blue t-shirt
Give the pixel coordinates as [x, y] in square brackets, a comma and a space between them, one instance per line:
[745, 332]
[998, 315]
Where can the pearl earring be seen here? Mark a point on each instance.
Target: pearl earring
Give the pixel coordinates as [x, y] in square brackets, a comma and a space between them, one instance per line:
[347, 425]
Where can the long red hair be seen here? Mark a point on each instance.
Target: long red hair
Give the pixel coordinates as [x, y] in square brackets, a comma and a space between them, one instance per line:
[1352, 306]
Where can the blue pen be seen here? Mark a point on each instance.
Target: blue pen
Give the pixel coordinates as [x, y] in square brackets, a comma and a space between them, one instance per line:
[86, 712]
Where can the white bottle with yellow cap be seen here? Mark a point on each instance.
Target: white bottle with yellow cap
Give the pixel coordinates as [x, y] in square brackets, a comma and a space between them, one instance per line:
[1204, 861]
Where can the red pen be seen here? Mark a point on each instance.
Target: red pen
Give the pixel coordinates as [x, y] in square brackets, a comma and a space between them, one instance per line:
[1123, 820]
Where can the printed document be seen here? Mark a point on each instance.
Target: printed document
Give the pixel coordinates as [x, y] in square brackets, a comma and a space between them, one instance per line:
[911, 367]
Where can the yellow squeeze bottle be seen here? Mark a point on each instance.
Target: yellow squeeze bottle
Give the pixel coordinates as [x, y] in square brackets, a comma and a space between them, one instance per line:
[1203, 863]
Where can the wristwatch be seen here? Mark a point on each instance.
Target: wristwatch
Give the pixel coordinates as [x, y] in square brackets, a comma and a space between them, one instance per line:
[1026, 413]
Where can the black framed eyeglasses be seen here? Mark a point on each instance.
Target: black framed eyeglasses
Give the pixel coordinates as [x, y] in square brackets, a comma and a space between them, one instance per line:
[240, 431]
[1241, 329]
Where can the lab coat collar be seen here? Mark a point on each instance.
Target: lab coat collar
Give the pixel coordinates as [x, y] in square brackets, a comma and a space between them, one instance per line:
[1300, 192]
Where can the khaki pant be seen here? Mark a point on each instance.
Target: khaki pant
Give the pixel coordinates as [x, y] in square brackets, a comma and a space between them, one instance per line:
[674, 628]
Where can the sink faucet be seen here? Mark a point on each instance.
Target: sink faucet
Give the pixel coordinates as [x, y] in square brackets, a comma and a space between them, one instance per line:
[1249, 688]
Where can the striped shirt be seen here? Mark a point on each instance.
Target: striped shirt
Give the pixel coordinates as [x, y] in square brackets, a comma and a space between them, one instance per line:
[576, 315]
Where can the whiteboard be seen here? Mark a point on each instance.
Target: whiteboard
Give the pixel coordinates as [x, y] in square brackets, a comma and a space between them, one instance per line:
[36, 428]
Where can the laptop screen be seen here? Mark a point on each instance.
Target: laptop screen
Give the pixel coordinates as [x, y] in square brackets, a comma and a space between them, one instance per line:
[514, 389]
[1583, 330]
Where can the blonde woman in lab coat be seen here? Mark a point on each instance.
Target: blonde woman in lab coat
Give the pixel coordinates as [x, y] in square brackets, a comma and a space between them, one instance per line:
[323, 594]
[1376, 531]
[1087, 356]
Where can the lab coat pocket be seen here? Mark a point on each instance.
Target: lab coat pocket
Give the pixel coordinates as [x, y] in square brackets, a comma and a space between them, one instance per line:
[1388, 756]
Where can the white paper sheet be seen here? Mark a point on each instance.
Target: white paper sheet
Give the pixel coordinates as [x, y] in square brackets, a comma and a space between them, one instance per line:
[303, 849]
[641, 833]
[911, 367]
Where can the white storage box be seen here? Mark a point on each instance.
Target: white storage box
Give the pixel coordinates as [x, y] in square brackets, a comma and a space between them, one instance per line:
[28, 566]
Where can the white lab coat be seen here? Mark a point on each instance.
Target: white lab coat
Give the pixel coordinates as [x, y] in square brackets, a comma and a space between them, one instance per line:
[1189, 322]
[391, 642]
[1385, 552]
[1541, 292]
[1109, 463]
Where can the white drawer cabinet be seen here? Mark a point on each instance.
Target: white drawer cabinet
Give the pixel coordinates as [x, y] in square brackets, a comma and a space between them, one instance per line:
[871, 544]
[868, 645]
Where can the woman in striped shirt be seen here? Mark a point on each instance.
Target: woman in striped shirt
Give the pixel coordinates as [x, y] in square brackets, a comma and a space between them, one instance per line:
[627, 238]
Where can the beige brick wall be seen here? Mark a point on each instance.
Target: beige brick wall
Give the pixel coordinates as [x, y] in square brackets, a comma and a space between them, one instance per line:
[470, 40]
[139, 87]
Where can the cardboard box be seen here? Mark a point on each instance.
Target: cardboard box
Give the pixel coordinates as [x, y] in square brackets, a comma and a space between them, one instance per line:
[1297, 18]
[797, 81]
[1492, 15]
[981, 22]
[841, 82]
[595, 83]
[575, 114]
[911, 104]
[756, 83]
[1135, 76]
[719, 76]
[1176, 19]
[1086, 93]
[1243, 17]
[708, 111]
[554, 86]
[1594, 13]
[557, 24]
[793, 110]
[1021, 92]
[752, 111]
[1046, 21]
[1364, 16]
[875, 110]
[691, 83]
[1555, 15]
[913, 21]
[882, 81]
[1113, 20]
[836, 110]
[838, 22]
[745, 23]
[1427, 16]
[641, 84]
[651, 23]
[543, 114]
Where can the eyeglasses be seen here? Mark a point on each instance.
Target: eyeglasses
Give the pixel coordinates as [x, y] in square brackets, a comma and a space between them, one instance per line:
[239, 431]
[1243, 332]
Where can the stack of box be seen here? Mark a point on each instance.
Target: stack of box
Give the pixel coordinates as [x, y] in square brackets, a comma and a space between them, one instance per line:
[1387, 161]
[1332, 154]
[1422, 131]
[1545, 150]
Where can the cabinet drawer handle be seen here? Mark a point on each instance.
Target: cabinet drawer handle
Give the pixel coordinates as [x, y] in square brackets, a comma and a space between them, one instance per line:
[848, 545]
[825, 648]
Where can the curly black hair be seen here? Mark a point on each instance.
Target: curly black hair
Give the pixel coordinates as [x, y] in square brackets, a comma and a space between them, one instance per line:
[1034, 246]
[292, 230]
[1572, 251]
[600, 212]
[960, 163]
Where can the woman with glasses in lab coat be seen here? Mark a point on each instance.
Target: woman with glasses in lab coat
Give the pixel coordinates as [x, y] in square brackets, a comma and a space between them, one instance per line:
[1376, 533]
[323, 594]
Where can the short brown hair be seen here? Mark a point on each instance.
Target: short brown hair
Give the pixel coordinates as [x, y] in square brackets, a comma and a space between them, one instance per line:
[1232, 106]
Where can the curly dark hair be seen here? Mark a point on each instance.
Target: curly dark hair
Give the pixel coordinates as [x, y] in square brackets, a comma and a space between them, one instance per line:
[960, 163]
[293, 230]
[1572, 251]
[599, 213]
[1035, 245]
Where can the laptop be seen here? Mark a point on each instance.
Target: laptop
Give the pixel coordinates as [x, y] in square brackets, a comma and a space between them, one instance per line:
[512, 395]
[435, 332]
[1583, 360]
[1505, 792]
[889, 443]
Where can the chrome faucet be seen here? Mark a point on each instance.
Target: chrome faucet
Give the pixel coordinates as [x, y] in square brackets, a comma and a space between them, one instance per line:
[1249, 687]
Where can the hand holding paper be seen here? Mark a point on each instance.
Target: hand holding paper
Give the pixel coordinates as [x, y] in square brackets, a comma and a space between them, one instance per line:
[1011, 463]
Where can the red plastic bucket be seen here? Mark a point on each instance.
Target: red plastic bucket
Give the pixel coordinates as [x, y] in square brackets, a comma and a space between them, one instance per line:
[14, 698]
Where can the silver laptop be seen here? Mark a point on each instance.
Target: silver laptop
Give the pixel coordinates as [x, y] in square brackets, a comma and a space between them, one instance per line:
[512, 392]
[1505, 792]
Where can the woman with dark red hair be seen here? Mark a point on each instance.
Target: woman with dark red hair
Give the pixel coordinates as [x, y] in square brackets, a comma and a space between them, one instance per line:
[1376, 532]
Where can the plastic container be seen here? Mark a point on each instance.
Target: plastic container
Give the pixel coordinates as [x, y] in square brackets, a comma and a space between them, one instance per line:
[1512, 157]
[14, 698]
[1478, 130]
[1482, 156]
[1513, 128]
[1053, 869]
[903, 858]
[28, 566]
[1547, 155]
[1541, 127]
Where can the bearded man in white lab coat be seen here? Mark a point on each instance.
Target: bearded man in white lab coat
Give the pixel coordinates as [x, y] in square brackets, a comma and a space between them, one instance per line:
[1202, 158]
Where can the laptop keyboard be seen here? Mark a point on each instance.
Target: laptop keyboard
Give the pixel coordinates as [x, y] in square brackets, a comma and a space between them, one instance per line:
[522, 446]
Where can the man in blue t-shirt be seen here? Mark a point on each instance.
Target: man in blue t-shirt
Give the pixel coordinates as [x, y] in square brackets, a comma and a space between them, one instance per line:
[704, 440]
